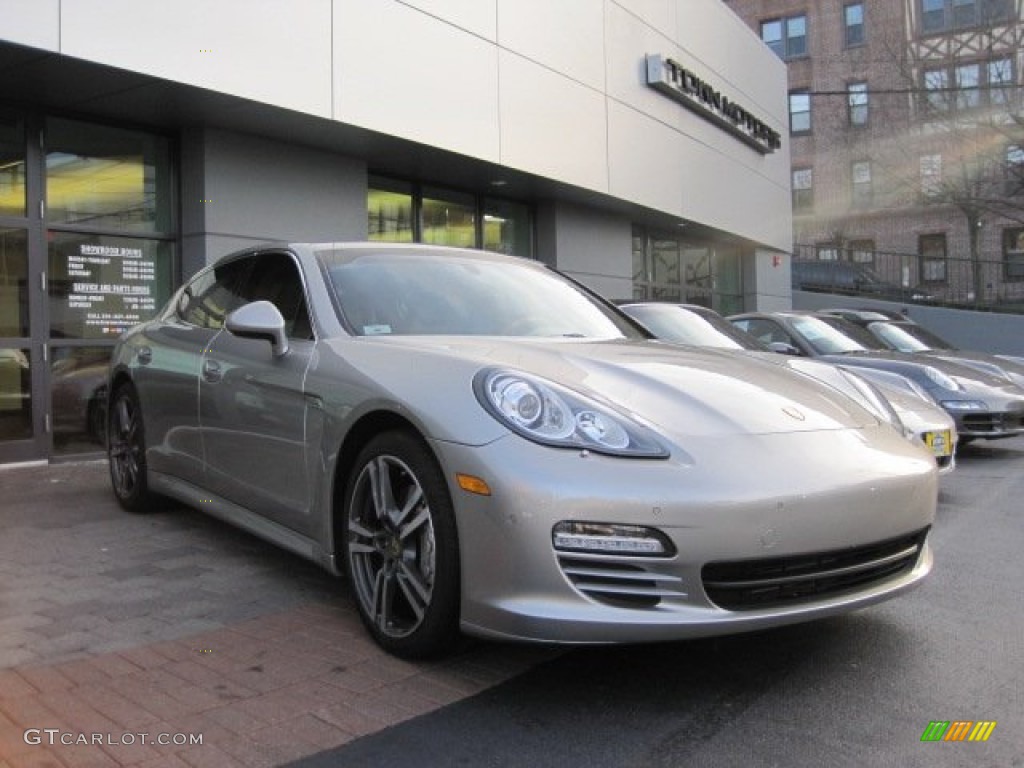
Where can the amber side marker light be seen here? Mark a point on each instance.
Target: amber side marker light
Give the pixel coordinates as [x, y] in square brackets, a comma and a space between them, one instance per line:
[473, 484]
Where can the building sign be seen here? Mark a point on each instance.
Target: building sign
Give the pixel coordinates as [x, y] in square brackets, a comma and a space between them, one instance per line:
[680, 84]
[98, 290]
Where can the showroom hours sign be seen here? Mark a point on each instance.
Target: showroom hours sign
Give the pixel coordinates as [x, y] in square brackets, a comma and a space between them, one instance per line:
[109, 289]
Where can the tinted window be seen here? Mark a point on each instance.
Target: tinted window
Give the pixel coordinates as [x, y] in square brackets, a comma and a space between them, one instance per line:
[275, 278]
[212, 294]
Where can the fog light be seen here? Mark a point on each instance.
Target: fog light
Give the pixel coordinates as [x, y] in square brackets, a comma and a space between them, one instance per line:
[611, 538]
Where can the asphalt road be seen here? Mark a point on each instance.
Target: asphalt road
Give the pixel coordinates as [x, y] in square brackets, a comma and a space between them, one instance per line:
[859, 690]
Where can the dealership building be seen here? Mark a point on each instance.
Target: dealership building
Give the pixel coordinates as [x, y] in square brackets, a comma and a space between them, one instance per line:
[640, 146]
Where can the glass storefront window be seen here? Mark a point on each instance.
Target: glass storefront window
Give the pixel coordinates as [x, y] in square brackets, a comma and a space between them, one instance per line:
[13, 282]
[100, 285]
[108, 178]
[12, 165]
[15, 394]
[667, 268]
[507, 228]
[449, 218]
[390, 212]
[78, 389]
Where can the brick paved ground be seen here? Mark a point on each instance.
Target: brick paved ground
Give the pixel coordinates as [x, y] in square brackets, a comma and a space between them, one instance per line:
[174, 623]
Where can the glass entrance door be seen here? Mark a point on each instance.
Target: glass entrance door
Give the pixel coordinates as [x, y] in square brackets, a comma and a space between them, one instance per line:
[22, 424]
[87, 249]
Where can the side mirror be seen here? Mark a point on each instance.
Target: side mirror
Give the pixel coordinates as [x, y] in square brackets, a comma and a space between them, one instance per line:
[783, 348]
[259, 320]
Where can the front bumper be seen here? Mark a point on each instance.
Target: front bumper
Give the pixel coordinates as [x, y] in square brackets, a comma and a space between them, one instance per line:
[729, 499]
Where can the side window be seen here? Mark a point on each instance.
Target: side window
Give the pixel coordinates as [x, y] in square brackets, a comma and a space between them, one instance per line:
[766, 331]
[275, 278]
[211, 295]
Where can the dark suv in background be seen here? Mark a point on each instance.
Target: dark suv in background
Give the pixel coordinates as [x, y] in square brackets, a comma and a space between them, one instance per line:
[848, 278]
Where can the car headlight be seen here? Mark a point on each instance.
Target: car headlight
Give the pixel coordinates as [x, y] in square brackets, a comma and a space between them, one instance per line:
[941, 379]
[551, 414]
[964, 405]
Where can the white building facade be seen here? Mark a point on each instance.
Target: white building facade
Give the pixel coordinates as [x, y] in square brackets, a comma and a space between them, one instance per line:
[641, 146]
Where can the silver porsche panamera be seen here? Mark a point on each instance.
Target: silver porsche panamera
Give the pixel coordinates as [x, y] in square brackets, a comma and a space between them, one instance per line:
[483, 447]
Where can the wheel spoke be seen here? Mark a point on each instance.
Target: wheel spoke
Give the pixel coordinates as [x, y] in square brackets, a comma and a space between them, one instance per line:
[411, 501]
[409, 528]
[415, 591]
[383, 598]
[380, 487]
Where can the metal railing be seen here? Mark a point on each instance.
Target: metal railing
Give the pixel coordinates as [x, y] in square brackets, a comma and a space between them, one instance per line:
[951, 281]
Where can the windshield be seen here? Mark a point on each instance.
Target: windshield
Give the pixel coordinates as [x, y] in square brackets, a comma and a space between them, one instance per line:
[858, 333]
[898, 338]
[824, 339]
[406, 292]
[686, 326]
[920, 335]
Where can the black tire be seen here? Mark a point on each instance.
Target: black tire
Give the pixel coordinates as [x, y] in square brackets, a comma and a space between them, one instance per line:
[401, 547]
[126, 451]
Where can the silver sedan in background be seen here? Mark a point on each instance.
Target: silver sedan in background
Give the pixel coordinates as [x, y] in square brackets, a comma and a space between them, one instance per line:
[698, 326]
[482, 446]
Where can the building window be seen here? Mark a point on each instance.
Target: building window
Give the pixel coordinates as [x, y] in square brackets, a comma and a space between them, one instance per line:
[1014, 169]
[968, 80]
[803, 190]
[826, 252]
[975, 84]
[12, 165]
[389, 211]
[862, 251]
[1013, 254]
[787, 37]
[936, 90]
[1000, 81]
[404, 212]
[933, 258]
[947, 15]
[448, 218]
[853, 24]
[931, 176]
[857, 101]
[799, 112]
[860, 178]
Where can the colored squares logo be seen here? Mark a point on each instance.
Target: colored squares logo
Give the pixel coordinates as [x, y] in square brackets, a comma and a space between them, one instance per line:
[958, 730]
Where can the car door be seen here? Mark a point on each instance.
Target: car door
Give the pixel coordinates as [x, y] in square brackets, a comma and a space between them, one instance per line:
[253, 410]
[167, 368]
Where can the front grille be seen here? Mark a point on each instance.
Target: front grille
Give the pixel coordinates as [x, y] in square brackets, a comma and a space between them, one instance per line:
[746, 585]
[993, 423]
[626, 585]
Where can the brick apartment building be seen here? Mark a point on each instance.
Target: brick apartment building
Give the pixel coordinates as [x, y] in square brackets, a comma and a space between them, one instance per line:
[907, 138]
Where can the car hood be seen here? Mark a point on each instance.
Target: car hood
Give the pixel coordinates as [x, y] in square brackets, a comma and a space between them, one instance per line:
[982, 361]
[912, 366]
[680, 392]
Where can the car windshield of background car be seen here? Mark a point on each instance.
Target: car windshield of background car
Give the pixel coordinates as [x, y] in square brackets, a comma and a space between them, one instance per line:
[923, 335]
[682, 326]
[898, 338]
[858, 333]
[824, 339]
[398, 294]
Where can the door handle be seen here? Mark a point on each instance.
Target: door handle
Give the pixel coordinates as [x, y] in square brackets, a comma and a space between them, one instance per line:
[212, 371]
[144, 356]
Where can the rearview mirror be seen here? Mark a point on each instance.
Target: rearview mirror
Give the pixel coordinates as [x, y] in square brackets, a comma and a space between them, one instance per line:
[259, 320]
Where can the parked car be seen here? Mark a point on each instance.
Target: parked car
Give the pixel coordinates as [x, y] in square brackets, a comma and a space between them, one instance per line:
[483, 446]
[848, 278]
[898, 332]
[982, 405]
[916, 410]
